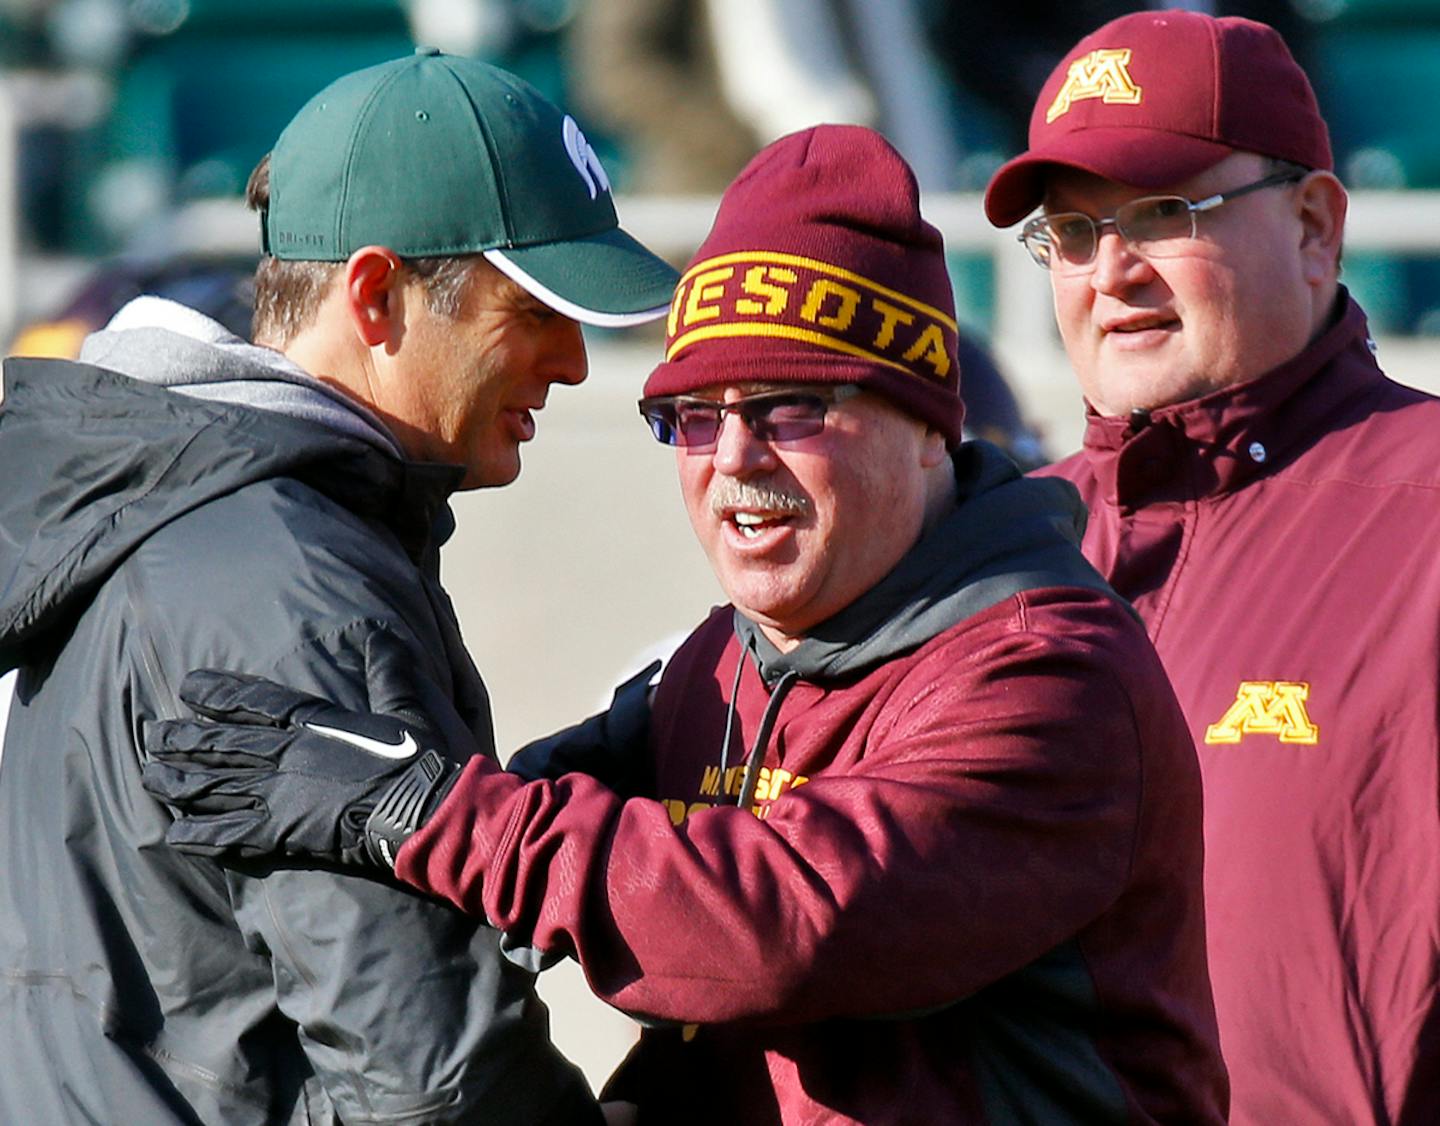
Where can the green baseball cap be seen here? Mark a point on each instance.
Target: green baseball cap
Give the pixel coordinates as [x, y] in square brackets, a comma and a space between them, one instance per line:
[437, 155]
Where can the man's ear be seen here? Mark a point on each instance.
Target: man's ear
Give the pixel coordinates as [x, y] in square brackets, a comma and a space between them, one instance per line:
[933, 450]
[1322, 204]
[372, 297]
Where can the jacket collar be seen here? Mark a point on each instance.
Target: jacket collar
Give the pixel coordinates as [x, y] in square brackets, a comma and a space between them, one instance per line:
[411, 498]
[1220, 442]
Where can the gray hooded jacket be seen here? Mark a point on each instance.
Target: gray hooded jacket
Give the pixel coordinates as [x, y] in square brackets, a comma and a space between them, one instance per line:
[154, 520]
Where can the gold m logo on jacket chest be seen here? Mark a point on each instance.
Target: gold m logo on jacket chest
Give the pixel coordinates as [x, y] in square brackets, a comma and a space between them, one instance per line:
[1266, 707]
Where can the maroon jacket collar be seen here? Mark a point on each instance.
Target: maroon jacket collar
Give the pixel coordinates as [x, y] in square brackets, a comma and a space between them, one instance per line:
[1218, 443]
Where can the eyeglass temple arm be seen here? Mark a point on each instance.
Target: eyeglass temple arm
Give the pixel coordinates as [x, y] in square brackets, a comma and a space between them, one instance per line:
[1213, 201]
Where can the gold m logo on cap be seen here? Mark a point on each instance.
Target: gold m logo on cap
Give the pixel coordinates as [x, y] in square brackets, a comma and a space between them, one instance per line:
[1100, 74]
[1266, 707]
[760, 293]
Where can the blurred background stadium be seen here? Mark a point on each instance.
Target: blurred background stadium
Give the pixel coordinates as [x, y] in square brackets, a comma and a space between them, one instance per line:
[128, 128]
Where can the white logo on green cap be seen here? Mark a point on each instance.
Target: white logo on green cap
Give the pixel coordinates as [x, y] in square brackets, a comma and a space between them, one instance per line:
[583, 157]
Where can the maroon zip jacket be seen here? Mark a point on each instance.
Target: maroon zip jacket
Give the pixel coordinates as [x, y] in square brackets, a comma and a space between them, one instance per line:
[969, 889]
[1282, 541]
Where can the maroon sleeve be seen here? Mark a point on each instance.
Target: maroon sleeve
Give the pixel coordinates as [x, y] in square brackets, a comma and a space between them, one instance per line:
[992, 816]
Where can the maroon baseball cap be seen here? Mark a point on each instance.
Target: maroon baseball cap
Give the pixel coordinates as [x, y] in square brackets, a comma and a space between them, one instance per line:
[1153, 98]
[819, 269]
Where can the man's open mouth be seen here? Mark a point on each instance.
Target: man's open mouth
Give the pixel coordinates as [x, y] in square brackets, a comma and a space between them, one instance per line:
[754, 524]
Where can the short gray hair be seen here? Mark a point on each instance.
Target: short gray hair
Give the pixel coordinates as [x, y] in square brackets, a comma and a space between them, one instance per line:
[288, 293]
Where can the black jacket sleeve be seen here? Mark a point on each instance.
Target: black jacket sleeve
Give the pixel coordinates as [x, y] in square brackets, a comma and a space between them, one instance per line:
[404, 1007]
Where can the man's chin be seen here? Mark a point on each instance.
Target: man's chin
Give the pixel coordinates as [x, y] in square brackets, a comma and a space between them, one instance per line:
[779, 612]
[492, 473]
[1132, 386]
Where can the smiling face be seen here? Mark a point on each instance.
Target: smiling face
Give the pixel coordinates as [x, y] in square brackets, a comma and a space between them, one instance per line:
[465, 389]
[1246, 294]
[795, 531]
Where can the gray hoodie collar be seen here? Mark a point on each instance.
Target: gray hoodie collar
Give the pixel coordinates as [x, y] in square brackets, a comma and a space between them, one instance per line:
[169, 345]
[1007, 533]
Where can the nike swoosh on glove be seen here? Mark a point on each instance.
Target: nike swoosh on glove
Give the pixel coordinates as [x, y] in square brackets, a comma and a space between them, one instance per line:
[271, 772]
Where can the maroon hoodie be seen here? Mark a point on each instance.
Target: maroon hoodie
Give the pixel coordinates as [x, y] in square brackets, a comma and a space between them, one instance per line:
[965, 890]
[1281, 538]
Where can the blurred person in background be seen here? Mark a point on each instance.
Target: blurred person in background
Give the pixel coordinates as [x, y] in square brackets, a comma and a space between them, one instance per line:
[646, 71]
[914, 835]
[1269, 502]
[220, 287]
[696, 86]
[434, 231]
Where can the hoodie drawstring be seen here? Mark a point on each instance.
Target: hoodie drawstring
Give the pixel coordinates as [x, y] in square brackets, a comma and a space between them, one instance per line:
[762, 738]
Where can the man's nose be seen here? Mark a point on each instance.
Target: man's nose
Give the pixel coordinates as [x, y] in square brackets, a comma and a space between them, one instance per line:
[738, 452]
[1118, 265]
[567, 361]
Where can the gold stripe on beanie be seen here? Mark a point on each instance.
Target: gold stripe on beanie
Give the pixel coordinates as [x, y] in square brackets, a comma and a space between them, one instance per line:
[788, 332]
[763, 293]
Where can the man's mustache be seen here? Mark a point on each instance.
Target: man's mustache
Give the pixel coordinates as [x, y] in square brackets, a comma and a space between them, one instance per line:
[730, 493]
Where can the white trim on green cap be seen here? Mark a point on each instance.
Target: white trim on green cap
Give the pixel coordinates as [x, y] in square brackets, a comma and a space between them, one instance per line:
[542, 292]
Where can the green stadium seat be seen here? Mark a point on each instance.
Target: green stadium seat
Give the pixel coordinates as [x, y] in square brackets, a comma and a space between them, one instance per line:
[1380, 90]
[341, 18]
[194, 113]
[1373, 13]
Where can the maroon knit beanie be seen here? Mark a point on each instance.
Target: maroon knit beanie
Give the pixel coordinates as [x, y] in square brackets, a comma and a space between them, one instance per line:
[819, 269]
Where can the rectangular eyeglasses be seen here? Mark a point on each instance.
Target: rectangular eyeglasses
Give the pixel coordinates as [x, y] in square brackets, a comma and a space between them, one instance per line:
[1151, 226]
[771, 416]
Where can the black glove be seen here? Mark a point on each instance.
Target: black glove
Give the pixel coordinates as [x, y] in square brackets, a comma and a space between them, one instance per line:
[283, 774]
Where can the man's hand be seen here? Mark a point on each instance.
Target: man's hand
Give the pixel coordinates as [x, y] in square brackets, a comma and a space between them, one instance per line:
[279, 773]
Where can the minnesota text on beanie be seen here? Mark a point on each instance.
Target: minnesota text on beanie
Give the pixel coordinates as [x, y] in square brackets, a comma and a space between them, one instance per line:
[819, 269]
